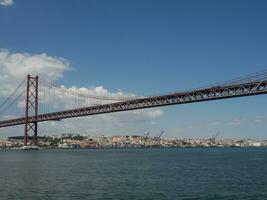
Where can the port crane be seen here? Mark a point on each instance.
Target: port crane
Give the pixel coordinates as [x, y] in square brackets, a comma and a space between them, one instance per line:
[214, 137]
[145, 139]
[158, 138]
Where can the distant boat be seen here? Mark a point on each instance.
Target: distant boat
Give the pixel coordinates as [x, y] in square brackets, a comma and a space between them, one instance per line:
[31, 148]
[69, 146]
[64, 146]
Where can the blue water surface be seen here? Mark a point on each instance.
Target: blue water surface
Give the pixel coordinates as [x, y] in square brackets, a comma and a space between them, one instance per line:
[184, 173]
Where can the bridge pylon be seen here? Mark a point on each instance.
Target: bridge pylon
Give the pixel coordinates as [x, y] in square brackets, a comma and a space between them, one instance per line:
[30, 130]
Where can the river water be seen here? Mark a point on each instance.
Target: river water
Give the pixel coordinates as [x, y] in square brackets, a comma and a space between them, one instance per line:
[189, 173]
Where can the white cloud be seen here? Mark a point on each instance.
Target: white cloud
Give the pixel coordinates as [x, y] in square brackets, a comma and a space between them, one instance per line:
[15, 66]
[132, 122]
[6, 2]
[155, 113]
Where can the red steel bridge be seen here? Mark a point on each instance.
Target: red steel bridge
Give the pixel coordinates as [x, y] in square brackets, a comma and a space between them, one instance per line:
[37, 100]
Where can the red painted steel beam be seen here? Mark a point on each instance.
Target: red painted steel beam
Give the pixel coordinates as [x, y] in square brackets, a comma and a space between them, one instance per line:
[201, 95]
[30, 127]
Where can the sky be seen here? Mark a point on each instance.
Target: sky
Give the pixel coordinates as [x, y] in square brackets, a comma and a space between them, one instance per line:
[139, 47]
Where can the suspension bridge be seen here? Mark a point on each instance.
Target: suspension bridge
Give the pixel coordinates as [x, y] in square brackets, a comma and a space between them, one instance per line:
[37, 100]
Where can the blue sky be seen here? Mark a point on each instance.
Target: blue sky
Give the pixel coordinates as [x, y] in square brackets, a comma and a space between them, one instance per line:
[153, 47]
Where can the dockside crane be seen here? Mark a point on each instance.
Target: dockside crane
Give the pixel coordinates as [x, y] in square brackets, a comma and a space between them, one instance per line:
[145, 138]
[158, 138]
[214, 137]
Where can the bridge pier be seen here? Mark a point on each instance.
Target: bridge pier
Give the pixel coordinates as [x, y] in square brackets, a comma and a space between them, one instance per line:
[31, 127]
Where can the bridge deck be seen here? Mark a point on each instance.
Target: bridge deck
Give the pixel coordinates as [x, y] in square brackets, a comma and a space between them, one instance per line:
[206, 94]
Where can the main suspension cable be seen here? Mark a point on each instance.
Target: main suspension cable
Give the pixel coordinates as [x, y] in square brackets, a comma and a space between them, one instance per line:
[12, 94]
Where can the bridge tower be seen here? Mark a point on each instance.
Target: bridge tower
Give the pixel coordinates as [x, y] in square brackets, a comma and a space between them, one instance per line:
[30, 130]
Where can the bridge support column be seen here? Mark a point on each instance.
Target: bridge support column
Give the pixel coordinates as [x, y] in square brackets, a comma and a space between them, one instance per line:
[31, 111]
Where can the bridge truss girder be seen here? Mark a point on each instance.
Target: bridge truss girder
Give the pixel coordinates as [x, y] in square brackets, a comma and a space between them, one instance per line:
[199, 95]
